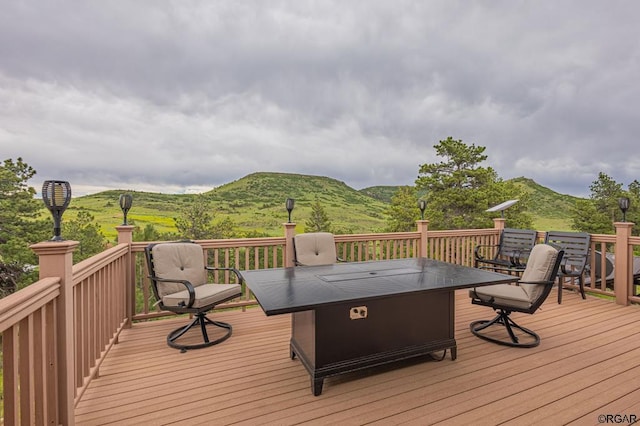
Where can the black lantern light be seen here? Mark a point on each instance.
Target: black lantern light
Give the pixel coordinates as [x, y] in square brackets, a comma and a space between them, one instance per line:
[289, 205]
[422, 205]
[56, 195]
[623, 203]
[126, 200]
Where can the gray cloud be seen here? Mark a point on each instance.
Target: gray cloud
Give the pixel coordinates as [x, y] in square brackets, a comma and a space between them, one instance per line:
[186, 95]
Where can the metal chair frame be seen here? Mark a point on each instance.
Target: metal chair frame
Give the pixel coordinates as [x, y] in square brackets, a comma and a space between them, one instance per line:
[503, 313]
[200, 318]
[511, 252]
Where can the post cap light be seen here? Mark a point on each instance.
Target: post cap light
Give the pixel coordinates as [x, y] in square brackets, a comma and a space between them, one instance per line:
[126, 201]
[289, 205]
[623, 203]
[422, 205]
[56, 195]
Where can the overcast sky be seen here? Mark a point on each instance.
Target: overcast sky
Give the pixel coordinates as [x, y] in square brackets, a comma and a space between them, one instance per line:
[182, 96]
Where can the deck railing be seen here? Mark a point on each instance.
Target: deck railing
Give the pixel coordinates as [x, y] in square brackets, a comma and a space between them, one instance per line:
[57, 332]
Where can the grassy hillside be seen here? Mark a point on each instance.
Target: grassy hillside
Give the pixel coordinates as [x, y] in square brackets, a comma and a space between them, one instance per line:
[550, 210]
[148, 208]
[382, 193]
[256, 202]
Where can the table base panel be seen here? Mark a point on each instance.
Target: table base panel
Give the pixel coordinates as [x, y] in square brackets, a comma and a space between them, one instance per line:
[319, 374]
[329, 341]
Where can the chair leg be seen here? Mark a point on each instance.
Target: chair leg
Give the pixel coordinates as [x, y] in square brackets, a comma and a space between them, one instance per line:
[581, 281]
[560, 287]
[505, 321]
[201, 320]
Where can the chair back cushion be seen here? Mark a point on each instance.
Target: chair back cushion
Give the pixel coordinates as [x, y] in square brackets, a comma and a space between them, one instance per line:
[178, 261]
[315, 248]
[539, 269]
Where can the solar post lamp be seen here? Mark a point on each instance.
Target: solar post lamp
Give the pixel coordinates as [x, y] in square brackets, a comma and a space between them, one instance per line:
[56, 195]
[126, 201]
[289, 205]
[422, 205]
[623, 203]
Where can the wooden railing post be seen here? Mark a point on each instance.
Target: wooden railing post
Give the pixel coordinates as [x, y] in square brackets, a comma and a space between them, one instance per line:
[289, 233]
[423, 228]
[56, 260]
[125, 236]
[498, 223]
[622, 268]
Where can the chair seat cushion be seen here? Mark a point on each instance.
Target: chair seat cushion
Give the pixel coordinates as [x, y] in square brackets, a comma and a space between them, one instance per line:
[206, 294]
[502, 294]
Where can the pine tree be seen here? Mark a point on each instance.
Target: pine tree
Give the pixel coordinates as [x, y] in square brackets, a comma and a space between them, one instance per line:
[84, 230]
[20, 225]
[196, 220]
[403, 210]
[318, 221]
[459, 191]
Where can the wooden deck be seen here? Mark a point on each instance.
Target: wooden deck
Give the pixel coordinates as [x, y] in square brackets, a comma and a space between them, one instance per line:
[587, 365]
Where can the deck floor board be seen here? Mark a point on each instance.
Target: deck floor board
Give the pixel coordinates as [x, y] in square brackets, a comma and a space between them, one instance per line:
[586, 365]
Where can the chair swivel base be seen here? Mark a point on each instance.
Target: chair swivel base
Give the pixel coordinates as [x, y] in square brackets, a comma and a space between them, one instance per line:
[202, 321]
[503, 319]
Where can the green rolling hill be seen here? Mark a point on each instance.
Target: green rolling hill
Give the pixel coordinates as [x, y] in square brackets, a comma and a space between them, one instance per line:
[550, 210]
[256, 202]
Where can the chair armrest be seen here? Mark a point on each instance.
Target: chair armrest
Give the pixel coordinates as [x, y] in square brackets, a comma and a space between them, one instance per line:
[578, 257]
[506, 270]
[574, 272]
[577, 271]
[519, 254]
[575, 257]
[476, 250]
[234, 270]
[187, 284]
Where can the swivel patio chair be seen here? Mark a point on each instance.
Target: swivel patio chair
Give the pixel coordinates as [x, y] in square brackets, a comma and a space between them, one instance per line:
[533, 288]
[179, 276]
[315, 248]
[576, 246]
[511, 252]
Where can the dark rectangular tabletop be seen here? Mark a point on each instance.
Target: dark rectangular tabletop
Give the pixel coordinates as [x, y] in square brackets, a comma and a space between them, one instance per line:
[286, 290]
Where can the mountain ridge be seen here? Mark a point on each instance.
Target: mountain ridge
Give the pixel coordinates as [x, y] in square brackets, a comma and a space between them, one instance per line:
[256, 202]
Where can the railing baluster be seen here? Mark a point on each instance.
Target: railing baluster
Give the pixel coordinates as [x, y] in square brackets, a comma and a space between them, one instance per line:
[10, 365]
